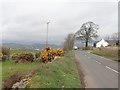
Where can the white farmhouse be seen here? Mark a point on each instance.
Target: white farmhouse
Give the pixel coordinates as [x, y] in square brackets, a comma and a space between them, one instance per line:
[101, 43]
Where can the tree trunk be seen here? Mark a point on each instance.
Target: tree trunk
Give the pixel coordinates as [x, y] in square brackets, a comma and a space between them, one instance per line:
[86, 44]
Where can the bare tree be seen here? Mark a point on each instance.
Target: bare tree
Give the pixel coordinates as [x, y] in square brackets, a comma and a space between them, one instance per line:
[87, 32]
[116, 38]
[69, 42]
[107, 37]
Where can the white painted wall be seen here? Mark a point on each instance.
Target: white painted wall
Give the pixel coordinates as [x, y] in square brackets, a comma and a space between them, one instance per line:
[102, 43]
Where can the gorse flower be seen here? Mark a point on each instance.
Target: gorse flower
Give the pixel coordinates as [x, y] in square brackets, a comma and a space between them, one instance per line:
[49, 54]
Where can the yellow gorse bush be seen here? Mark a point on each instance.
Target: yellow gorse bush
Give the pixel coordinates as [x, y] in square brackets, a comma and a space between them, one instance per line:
[14, 55]
[1, 56]
[49, 54]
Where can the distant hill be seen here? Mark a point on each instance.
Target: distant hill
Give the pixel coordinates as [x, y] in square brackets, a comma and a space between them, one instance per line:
[30, 46]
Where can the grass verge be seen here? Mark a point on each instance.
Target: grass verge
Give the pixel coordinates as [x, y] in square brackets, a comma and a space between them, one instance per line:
[61, 73]
[106, 52]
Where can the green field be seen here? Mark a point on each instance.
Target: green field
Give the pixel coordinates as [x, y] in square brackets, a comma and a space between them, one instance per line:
[60, 73]
[23, 51]
[10, 67]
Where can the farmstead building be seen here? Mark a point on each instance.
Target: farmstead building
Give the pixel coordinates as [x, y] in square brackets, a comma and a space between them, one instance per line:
[101, 43]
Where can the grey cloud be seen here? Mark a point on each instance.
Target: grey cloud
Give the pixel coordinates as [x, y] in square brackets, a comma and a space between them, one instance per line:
[27, 21]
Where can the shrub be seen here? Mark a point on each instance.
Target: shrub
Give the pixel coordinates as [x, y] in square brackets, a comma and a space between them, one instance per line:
[60, 52]
[1, 55]
[14, 56]
[49, 54]
[5, 52]
[25, 57]
[37, 54]
[4, 57]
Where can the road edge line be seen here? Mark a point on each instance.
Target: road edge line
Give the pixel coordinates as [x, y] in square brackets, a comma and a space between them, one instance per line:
[112, 69]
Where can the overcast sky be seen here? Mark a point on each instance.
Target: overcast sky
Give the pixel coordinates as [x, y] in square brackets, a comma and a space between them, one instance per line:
[26, 21]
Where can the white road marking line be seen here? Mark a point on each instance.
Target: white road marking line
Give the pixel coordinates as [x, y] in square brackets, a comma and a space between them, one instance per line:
[98, 62]
[111, 69]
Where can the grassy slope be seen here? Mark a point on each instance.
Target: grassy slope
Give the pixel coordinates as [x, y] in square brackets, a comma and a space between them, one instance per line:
[60, 73]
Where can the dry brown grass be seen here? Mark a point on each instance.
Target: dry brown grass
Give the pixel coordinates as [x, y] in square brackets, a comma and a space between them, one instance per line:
[109, 52]
[113, 51]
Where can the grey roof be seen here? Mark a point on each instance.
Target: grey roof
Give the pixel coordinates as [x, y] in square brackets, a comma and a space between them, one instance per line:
[111, 41]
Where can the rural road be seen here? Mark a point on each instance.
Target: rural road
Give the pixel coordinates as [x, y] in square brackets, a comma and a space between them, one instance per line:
[98, 72]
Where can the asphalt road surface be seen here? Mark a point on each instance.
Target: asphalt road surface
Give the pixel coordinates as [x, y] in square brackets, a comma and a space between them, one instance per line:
[98, 72]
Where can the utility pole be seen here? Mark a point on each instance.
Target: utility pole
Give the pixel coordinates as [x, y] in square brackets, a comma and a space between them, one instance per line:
[47, 35]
